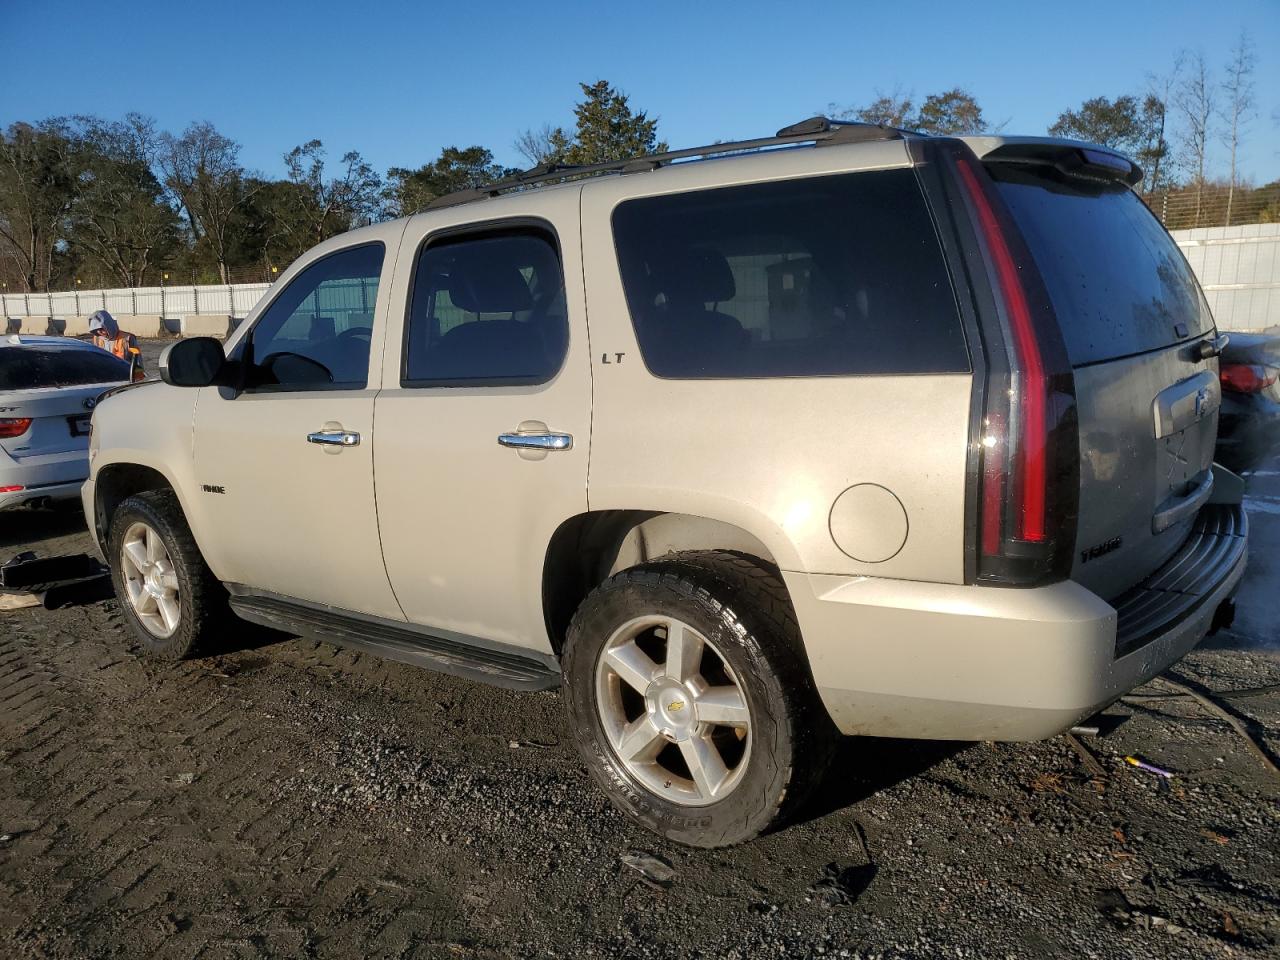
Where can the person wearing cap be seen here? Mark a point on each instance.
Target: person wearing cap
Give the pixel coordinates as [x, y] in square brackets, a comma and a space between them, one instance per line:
[106, 334]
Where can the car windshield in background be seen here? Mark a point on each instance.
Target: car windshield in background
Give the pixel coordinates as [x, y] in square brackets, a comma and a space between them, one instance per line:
[1119, 284]
[30, 367]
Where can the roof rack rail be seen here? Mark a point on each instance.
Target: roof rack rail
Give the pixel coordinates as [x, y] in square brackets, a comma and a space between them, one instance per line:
[820, 131]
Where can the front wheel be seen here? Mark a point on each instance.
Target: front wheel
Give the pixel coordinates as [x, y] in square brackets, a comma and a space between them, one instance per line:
[170, 599]
[691, 700]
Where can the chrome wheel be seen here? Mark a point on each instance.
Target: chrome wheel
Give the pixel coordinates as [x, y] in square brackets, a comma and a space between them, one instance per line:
[673, 711]
[150, 580]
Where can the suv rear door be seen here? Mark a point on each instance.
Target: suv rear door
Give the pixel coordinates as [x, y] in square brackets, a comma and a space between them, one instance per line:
[1133, 320]
[484, 419]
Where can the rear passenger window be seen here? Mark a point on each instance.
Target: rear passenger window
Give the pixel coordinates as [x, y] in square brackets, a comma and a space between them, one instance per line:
[487, 310]
[821, 276]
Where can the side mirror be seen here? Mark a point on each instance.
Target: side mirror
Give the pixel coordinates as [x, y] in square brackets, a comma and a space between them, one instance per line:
[198, 362]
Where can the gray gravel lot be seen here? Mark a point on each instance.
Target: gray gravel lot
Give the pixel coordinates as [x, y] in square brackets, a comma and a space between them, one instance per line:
[288, 798]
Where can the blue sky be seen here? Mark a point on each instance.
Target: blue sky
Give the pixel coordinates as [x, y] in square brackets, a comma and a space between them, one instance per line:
[398, 81]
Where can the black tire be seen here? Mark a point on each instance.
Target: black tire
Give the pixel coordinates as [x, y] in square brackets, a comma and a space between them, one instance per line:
[203, 600]
[741, 606]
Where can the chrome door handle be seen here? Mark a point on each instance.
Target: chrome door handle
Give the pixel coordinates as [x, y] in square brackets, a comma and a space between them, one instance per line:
[345, 438]
[536, 441]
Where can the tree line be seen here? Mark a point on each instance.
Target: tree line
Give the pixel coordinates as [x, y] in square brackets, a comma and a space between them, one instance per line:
[123, 203]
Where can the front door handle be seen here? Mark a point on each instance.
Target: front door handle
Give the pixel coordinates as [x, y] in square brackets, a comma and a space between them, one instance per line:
[335, 438]
[536, 441]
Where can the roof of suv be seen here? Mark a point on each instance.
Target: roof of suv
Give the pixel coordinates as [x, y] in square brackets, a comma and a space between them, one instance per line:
[816, 131]
[808, 134]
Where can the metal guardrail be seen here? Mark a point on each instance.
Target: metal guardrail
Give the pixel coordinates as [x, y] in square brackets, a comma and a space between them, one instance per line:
[234, 300]
[1187, 209]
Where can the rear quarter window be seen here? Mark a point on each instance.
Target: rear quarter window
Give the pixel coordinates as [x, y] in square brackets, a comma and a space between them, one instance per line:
[821, 276]
[28, 368]
[1119, 284]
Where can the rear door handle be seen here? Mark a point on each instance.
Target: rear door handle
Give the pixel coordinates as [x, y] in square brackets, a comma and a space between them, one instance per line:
[536, 441]
[338, 438]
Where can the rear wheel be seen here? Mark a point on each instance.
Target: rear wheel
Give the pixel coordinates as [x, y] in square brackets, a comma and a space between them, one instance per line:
[168, 596]
[691, 699]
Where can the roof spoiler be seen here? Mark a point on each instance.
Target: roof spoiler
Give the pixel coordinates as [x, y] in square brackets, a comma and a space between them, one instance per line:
[1088, 161]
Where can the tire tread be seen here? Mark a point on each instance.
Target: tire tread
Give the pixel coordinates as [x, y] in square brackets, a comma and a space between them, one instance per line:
[749, 594]
[205, 607]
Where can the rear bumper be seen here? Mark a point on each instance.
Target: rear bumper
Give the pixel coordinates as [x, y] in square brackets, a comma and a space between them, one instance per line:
[54, 476]
[966, 662]
[33, 494]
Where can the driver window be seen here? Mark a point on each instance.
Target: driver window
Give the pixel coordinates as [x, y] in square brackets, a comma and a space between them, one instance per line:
[315, 335]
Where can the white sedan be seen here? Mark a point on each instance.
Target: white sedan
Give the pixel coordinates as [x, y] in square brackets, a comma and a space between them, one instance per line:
[48, 389]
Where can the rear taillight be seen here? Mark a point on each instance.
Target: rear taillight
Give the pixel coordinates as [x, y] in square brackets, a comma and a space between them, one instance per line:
[11, 427]
[12, 489]
[1028, 447]
[1247, 377]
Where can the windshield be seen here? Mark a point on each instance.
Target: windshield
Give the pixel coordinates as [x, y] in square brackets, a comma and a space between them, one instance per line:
[1119, 284]
[28, 367]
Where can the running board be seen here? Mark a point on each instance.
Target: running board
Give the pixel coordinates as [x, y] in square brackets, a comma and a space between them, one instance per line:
[489, 662]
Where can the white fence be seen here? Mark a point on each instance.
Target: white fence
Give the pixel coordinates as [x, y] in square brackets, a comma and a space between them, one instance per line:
[232, 300]
[1239, 269]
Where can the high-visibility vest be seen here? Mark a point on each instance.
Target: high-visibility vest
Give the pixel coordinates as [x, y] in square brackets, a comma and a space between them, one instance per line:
[118, 345]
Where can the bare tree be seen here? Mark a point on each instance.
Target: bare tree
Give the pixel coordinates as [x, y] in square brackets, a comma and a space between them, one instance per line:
[541, 145]
[1239, 108]
[1195, 102]
[1160, 89]
[328, 206]
[894, 109]
[37, 188]
[118, 216]
[202, 170]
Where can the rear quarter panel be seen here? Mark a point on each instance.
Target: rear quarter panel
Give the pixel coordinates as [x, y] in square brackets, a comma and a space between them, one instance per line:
[770, 455]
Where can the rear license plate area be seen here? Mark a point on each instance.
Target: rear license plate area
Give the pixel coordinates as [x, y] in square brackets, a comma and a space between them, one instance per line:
[79, 425]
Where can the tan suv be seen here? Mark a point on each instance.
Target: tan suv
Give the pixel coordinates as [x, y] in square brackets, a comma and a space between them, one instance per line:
[845, 430]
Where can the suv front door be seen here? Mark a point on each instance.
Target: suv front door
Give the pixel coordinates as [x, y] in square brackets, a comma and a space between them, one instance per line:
[483, 420]
[286, 466]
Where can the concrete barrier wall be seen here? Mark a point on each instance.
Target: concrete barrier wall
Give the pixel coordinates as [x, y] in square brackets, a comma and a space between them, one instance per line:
[146, 326]
[203, 325]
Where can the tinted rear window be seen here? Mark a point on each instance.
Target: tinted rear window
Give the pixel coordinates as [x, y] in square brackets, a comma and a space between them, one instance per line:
[819, 276]
[26, 368]
[1118, 282]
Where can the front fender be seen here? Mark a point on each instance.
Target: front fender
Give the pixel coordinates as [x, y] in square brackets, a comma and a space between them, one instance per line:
[150, 427]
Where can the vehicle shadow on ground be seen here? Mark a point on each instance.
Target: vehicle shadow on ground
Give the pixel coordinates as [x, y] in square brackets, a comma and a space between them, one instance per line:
[241, 636]
[864, 766]
[30, 528]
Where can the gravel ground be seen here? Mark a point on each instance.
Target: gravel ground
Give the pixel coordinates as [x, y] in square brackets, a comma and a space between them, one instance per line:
[288, 798]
